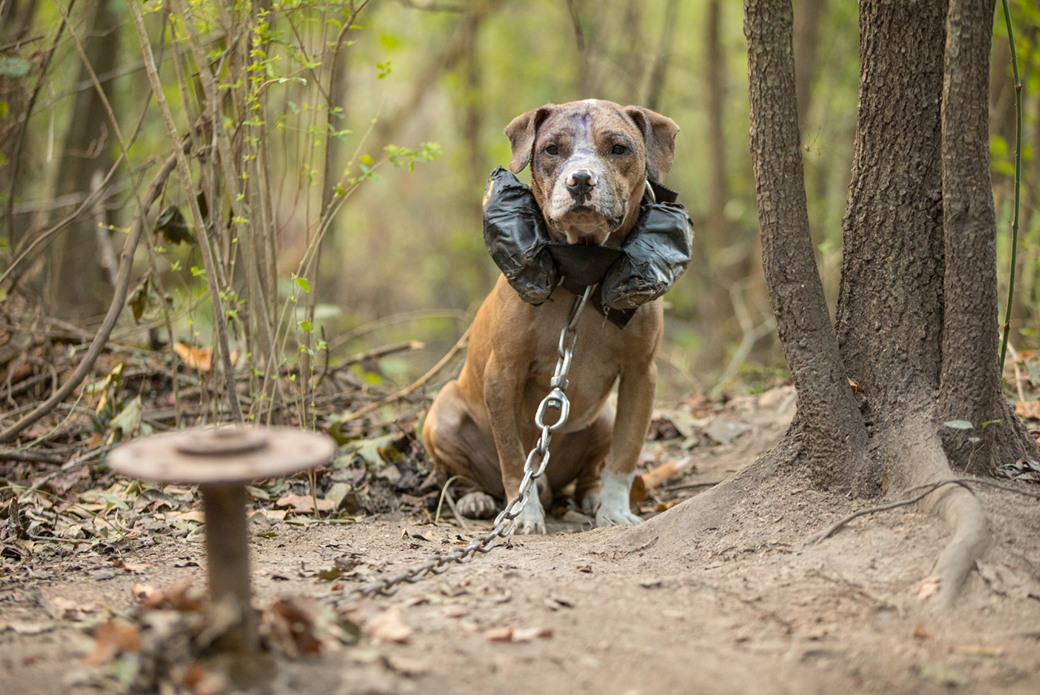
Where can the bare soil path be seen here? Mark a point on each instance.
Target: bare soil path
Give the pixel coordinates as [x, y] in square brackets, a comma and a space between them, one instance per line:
[749, 607]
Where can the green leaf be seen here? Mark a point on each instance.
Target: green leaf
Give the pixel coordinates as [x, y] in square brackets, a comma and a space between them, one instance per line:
[307, 326]
[959, 424]
[304, 284]
[13, 66]
[113, 500]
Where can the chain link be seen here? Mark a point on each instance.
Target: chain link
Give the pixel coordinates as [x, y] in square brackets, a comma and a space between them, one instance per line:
[535, 465]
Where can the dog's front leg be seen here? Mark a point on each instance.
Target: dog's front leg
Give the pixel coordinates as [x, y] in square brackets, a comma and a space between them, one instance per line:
[635, 408]
[503, 393]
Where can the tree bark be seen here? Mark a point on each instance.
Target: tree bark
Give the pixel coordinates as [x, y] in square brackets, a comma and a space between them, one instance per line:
[970, 384]
[831, 425]
[76, 288]
[890, 304]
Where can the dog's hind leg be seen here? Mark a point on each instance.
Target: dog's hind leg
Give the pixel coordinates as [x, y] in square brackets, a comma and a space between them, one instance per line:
[457, 446]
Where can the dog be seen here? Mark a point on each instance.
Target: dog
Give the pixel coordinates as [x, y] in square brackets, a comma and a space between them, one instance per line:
[590, 162]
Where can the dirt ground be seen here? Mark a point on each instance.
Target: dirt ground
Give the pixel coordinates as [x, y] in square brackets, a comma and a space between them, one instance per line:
[749, 606]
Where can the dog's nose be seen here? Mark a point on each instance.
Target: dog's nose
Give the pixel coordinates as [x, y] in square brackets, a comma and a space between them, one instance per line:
[580, 183]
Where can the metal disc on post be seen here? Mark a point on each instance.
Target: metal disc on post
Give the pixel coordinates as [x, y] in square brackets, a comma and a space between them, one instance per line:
[220, 460]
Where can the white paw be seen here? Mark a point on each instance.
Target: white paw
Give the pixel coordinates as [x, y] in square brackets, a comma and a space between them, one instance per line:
[614, 509]
[616, 517]
[477, 505]
[532, 518]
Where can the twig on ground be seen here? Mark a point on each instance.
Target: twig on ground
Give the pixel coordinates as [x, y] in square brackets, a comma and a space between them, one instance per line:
[455, 512]
[29, 456]
[690, 486]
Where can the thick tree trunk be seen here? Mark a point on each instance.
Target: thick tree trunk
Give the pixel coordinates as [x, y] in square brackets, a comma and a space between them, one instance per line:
[76, 289]
[890, 305]
[832, 428]
[916, 324]
[970, 386]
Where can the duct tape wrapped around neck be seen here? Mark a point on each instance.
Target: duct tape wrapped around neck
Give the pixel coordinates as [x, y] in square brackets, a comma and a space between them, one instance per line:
[652, 257]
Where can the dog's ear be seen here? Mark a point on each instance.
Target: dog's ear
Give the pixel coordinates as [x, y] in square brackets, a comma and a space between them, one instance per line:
[521, 131]
[659, 136]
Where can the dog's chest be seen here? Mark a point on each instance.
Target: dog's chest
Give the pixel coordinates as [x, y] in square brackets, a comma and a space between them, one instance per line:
[595, 366]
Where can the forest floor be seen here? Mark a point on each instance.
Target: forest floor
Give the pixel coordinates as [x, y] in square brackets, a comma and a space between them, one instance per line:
[751, 606]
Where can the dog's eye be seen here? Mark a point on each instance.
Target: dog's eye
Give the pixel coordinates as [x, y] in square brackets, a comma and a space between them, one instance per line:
[552, 149]
[619, 149]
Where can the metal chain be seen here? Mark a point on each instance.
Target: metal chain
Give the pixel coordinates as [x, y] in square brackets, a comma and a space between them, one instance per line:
[535, 465]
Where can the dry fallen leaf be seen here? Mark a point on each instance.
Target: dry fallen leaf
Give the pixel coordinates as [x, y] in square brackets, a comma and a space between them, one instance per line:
[455, 611]
[389, 626]
[305, 503]
[928, 587]
[666, 471]
[1029, 409]
[294, 625]
[920, 632]
[529, 634]
[112, 639]
[638, 492]
[200, 359]
[499, 634]
[147, 595]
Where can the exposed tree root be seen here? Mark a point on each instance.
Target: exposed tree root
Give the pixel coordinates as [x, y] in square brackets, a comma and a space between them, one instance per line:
[915, 459]
[915, 455]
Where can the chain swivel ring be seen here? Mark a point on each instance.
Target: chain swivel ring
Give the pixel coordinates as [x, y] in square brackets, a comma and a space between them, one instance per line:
[535, 465]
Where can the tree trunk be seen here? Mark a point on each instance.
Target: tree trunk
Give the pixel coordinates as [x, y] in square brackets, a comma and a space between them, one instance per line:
[664, 57]
[829, 419]
[718, 191]
[916, 324]
[76, 288]
[807, 17]
[890, 304]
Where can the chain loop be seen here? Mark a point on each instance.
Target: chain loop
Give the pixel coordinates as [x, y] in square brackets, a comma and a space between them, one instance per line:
[534, 467]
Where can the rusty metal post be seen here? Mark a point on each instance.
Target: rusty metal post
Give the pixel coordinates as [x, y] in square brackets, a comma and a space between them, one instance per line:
[221, 461]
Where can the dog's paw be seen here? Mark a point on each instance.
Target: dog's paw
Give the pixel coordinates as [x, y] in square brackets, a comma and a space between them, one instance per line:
[612, 499]
[477, 505]
[531, 519]
[616, 517]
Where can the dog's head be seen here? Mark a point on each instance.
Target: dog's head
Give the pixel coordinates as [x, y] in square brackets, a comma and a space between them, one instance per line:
[589, 164]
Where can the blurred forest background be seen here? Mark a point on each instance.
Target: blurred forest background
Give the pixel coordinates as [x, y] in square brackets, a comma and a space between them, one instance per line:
[340, 187]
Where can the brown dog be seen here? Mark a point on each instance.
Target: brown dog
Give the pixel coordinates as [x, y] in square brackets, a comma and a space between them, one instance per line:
[590, 161]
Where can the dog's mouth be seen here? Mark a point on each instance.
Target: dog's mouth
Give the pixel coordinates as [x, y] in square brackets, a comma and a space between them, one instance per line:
[584, 225]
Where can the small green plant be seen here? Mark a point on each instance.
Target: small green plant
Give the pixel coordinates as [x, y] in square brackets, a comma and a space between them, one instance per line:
[973, 439]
